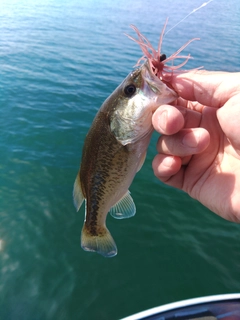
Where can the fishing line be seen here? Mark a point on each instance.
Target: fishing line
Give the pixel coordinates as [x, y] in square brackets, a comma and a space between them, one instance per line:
[194, 10]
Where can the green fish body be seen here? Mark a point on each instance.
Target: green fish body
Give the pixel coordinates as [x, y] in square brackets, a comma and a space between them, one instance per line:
[114, 150]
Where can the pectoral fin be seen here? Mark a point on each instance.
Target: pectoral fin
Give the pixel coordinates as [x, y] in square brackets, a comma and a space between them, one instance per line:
[78, 197]
[142, 161]
[124, 208]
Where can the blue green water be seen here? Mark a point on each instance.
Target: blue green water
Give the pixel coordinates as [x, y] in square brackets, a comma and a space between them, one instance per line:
[59, 60]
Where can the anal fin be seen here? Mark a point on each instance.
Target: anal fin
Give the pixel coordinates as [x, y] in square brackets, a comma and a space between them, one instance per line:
[101, 243]
[78, 197]
[124, 208]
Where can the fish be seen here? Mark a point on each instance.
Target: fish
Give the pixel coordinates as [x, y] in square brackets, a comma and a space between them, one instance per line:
[116, 145]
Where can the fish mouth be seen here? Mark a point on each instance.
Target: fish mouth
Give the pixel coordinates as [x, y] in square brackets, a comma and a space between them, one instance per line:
[155, 88]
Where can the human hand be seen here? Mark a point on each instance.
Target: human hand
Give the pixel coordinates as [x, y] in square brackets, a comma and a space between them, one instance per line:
[199, 150]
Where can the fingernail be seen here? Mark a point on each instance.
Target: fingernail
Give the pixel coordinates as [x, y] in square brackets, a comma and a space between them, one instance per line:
[162, 120]
[168, 161]
[191, 140]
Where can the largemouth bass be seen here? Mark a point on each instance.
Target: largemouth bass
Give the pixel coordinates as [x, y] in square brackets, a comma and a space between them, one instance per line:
[116, 144]
[114, 150]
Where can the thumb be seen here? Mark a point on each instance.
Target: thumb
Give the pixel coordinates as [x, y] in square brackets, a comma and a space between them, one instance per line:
[210, 88]
[228, 117]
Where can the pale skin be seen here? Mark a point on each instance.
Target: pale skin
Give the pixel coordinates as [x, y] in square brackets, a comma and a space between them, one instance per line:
[199, 149]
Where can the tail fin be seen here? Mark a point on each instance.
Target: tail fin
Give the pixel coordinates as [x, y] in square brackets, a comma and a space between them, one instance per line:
[101, 243]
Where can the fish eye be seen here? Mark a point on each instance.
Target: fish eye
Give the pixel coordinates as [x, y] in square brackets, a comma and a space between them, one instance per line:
[129, 90]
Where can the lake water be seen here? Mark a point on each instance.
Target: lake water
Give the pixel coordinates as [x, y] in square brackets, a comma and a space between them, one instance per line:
[59, 60]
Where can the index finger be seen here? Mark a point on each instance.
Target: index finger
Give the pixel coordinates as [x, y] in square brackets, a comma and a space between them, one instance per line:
[210, 88]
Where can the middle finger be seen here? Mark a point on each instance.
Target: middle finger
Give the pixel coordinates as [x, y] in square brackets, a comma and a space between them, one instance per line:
[184, 143]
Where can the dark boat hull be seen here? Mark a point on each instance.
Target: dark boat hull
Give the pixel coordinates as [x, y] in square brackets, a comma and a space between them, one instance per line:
[224, 307]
